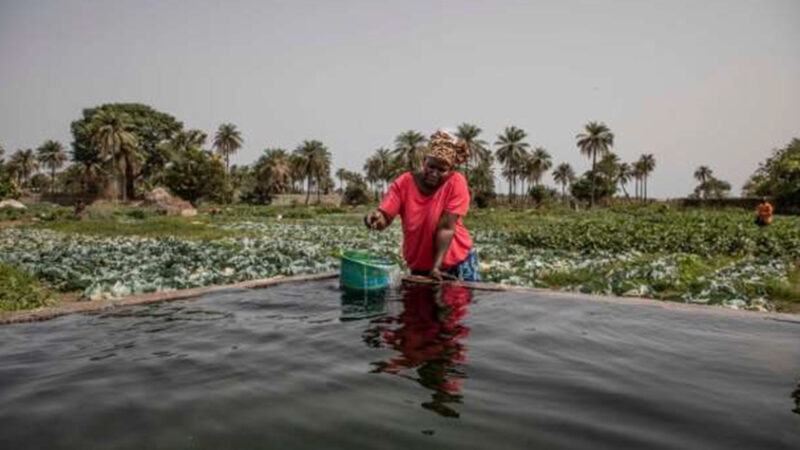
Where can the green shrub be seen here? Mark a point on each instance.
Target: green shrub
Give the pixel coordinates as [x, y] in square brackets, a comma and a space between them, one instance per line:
[328, 209]
[20, 290]
[197, 174]
[356, 194]
[540, 193]
[589, 184]
[12, 214]
[483, 199]
[56, 214]
[140, 214]
[298, 214]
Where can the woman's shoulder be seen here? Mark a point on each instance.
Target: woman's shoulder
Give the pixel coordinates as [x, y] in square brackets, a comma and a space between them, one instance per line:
[404, 178]
[457, 179]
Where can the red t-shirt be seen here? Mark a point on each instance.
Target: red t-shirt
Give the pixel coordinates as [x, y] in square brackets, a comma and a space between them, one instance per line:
[421, 214]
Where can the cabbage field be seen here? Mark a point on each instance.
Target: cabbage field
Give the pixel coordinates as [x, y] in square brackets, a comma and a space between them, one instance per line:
[696, 257]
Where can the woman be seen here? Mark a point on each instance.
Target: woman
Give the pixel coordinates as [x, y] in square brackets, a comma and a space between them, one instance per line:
[431, 204]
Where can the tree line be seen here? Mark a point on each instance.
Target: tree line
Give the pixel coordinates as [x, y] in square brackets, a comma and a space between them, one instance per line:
[121, 151]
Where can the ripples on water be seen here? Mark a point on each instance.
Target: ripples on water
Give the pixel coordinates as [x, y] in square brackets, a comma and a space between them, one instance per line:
[308, 366]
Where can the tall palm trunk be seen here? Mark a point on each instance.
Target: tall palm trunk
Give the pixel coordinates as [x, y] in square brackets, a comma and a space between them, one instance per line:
[510, 177]
[122, 181]
[308, 190]
[129, 180]
[645, 188]
[52, 179]
[594, 174]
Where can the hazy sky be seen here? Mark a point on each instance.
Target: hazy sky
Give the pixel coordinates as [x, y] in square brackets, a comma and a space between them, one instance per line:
[713, 82]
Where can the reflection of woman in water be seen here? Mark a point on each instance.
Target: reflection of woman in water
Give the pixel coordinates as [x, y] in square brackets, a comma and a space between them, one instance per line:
[429, 340]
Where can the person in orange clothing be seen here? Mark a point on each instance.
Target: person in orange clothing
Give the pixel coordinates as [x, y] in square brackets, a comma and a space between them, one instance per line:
[764, 213]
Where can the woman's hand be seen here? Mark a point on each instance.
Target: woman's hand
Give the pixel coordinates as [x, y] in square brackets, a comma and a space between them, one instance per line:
[376, 220]
[438, 275]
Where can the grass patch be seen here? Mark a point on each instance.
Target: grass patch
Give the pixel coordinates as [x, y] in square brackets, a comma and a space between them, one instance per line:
[786, 295]
[153, 227]
[562, 279]
[20, 290]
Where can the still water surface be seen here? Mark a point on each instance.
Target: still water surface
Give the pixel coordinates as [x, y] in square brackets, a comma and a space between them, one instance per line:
[306, 366]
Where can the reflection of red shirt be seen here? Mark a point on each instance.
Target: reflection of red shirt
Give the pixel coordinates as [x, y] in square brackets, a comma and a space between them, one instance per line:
[431, 334]
[421, 215]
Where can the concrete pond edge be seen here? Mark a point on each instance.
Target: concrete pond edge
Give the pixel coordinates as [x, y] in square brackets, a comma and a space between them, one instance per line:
[41, 314]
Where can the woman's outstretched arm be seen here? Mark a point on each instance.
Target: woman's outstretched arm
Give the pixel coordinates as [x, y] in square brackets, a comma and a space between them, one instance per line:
[442, 239]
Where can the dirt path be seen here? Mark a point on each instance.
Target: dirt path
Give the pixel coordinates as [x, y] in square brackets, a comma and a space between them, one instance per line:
[13, 223]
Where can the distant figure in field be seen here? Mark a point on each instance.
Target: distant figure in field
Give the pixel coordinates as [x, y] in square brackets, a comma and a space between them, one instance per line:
[431, 204]
[764, 213]
[79, 211]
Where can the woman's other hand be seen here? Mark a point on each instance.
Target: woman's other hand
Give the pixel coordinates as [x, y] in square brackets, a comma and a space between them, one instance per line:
[375, 220]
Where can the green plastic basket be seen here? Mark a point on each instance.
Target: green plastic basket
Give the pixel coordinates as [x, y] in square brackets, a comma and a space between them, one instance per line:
[365, 271]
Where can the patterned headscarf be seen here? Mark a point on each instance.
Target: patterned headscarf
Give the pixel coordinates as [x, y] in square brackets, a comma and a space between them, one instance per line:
[446, 147]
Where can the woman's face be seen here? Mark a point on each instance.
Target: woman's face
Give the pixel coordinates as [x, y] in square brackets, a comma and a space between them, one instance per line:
[435, 171]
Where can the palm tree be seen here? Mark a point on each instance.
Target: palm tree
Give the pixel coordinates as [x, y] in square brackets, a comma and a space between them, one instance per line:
[648, 163]
[563, 175]
[409, 147]
[315, 159]
[2, 152]
[482, 176]
[540, 162]
[478, 148]
[340, 174]
[637, 172]
[111, 133]
[704, 174]
[155, 163]
[511, 152]
[184, 140]
[387, 167]
[274, 171]
[624, 174]
[227, 141]
[52, 155]
[373, 169]
[239, 176]
[91, 171]
[23, 163]
[596, 139]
